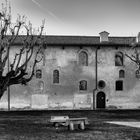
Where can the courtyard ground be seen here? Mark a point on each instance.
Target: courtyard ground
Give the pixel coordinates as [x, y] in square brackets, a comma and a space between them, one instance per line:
[34, 125]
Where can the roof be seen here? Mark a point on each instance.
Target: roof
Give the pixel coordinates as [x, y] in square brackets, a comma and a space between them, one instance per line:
[82, 40]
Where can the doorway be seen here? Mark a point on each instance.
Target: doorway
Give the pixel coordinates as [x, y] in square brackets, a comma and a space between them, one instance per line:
[100, 100]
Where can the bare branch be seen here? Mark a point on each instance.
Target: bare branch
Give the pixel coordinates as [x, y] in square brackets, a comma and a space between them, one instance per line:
[12, 65]
[27, 60]
[9, 34]
[134, 60]
[19, 58]
[6, 57]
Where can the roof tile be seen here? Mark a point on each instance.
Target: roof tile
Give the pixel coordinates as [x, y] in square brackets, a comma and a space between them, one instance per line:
[81, 40]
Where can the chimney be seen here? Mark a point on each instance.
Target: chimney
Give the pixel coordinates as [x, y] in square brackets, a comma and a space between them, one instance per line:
[138, 38]
[104, 36]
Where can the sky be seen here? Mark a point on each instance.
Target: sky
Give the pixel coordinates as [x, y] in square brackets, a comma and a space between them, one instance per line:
[82, 17]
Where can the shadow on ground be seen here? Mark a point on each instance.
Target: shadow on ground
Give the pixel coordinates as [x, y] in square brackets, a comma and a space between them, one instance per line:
[34, 125]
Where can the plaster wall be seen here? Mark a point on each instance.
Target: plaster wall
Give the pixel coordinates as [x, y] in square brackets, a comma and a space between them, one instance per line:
[44, 94]
[129, 97]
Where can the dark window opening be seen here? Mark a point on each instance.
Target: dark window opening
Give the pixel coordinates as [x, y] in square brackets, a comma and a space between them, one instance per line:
[137, 73]
[119, 85]
[121, 74]
[83, 85]
[119, 59]
[83, 58]
[39, 73]
[101, 84]
[55, 76]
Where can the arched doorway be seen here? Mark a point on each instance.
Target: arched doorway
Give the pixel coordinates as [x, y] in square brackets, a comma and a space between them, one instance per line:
[100, 100]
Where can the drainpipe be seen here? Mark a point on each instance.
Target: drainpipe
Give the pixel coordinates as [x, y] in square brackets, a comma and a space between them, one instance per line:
[96, 78]
[8, 87]
[96, 68]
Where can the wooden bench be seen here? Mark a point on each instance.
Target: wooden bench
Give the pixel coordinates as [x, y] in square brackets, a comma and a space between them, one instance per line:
[69, 122]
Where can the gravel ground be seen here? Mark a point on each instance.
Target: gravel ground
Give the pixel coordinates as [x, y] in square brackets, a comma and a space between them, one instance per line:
[34, 125]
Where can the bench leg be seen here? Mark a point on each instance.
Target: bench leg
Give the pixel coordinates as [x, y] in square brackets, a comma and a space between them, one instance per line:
[82, 125]
[55, 124]
[71, 126]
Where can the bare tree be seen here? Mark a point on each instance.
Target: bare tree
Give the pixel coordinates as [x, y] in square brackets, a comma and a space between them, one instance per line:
[17, 72]
[135, 57]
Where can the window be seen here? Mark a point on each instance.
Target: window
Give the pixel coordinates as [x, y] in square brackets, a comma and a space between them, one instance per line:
[39, 73]
[119, 85]
[121, 74]
[83, 85]
[101, 84]
[40, 86]
[83, 58]
[119, 59]
[55, 76]
[137, 73]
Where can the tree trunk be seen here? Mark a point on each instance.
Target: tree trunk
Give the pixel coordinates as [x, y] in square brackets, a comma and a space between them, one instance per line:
[1, 92]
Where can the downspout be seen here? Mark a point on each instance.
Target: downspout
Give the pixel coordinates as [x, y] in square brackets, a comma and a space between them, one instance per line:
[96, 78]
[8, 85]
[96, 68]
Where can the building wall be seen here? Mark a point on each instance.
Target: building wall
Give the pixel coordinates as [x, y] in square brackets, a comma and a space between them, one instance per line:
[129, 97]
[42, 93]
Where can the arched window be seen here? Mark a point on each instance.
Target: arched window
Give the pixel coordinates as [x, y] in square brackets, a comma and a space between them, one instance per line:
[119, 59]
[83, 58]
[121, 74]
[39, 73]
[83, 85]
[119, 85]
[55, 76]
[137, 73]
[40, 86]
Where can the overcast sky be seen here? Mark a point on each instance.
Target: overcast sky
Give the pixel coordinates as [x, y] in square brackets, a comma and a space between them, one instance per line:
[82, 17]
